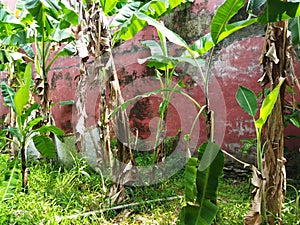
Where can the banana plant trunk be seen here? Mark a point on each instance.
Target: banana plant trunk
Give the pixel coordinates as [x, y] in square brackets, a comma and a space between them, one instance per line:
[95, 28]
[105, 69]
[25, 170]
[159, 145]
[275, 64]
[270, 180]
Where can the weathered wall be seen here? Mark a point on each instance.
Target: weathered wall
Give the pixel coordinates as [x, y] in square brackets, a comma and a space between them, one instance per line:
[235, 62]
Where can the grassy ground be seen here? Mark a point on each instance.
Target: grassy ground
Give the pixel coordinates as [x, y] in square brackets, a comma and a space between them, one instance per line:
[67, 196]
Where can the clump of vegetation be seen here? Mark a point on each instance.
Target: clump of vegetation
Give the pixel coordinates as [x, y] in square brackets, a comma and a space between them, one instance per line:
[77, 195]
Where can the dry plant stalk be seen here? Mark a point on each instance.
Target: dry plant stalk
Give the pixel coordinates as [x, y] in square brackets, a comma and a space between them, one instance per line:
[94, 27]
[276, 62]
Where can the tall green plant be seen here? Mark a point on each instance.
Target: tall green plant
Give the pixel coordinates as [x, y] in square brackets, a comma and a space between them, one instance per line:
[222, 28]
[273, 11]
[32, 34]
[126, 25]
[26, 129]
[52, 20]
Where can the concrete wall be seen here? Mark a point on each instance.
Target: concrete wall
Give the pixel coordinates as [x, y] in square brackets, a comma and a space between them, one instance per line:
[235, 62]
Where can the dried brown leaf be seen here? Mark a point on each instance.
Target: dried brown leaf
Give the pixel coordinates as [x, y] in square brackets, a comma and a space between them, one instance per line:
[253, 219]
[82, 50]
[254, 215]
[264, 79]
[272, 53]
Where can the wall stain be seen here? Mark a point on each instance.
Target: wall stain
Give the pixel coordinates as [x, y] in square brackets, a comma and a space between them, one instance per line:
[56, 76]
[68, 78]
[59, 76]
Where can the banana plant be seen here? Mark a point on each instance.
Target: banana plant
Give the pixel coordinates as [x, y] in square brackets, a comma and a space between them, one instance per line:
[26, 129]
[52, 20]
[34, 33]
[37, 29]
[125, 24]
[209, 154]
[165, 69]
[222, 28]
[248, 101]
[275, 14]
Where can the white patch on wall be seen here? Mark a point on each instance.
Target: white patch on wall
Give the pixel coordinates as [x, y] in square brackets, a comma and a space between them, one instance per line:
[242, 127]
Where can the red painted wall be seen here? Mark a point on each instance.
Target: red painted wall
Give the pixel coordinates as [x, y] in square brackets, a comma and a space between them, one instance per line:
[234, 63]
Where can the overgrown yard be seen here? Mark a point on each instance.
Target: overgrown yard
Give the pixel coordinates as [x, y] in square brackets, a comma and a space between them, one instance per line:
[77, 195]
[187, 71]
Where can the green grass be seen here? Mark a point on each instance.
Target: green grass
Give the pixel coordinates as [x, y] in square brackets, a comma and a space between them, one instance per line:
[56, 194]
[233, 200]
[291, 210]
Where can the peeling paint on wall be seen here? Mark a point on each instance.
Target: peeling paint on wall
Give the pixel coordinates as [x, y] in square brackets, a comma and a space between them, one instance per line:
[241, 127]
[239, 60]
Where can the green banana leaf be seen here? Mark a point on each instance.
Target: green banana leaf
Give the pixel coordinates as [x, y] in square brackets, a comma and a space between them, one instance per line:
[8, 94]
[44, 145]
[247, 100]
[294, 27]
[277, 10]
[200, 199]
[224, 13]
[126, 22]
[9, 178]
